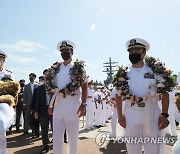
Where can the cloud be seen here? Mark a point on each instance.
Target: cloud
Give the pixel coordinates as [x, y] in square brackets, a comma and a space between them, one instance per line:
[26, 72]
[21, 60]
[101, 11]
[15, 68]
[93, 26]
[48, 56]
[22, 46]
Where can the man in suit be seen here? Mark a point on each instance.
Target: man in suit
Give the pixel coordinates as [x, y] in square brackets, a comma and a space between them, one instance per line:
[41, 112]
[34, 122]
[19, 107]
[27, 99]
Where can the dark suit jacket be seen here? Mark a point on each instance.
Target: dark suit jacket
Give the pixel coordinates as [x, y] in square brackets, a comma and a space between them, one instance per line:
[34, 99]
[27, 96]
[20, 98]
[40, 104]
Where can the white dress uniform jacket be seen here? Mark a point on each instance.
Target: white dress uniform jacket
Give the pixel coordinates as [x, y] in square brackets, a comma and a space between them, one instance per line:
[142, 121]
[64, 116]
[99, 110]
[6, 115]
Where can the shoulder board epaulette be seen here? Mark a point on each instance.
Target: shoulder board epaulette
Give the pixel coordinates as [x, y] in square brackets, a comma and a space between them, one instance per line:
[8, 71]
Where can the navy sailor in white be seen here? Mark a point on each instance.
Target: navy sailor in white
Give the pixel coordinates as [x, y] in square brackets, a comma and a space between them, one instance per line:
[67, 109]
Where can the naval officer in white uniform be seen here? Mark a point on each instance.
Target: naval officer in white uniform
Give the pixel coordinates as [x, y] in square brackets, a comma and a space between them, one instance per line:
[144, 119]
[6, 112]
[70, 108]
[90, 108]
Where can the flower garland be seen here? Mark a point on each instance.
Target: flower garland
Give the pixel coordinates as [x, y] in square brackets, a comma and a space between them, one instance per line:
[164, 81]
[77, 76]
[177, 100]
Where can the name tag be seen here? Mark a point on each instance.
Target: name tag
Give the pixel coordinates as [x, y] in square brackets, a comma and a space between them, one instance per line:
[141, 104]
[149, 76]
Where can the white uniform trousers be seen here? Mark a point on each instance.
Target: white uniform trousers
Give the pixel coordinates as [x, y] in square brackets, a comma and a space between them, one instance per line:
[114, 119]
[65, 117]
[138, 125]
[98, 114]
[172, 113]
[3, 143]
[109, 111]
[103, 114]
[89, 114]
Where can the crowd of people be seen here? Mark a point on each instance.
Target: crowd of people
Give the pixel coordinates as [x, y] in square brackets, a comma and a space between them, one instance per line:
[65, 93]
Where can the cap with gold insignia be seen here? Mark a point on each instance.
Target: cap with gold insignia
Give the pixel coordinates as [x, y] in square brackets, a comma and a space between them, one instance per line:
[91, 82]
[100, 87]
[137, 43]
[3, 54]
[65, 44]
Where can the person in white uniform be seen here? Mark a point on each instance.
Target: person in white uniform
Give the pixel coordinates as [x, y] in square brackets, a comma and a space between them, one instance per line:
[67, 108]
[6, 112]
[108, 106]
[104, 105]
[99, 96]
[142, 119]
[114, 117]
[173, 110]
[90, 106]
[176, 146]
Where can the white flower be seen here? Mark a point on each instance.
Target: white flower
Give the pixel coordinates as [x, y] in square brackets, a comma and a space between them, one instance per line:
[119, 92]
[160, 85]
[54, 66]
[157, 63]
[160, 78]
[121, 79]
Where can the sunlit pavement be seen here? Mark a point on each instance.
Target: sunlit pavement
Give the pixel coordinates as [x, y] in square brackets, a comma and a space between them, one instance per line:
[87, 144]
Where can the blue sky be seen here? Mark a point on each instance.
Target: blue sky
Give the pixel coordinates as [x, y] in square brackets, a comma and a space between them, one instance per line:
[30, 31]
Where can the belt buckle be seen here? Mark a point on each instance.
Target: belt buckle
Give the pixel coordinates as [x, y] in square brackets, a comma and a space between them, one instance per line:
[141, 104]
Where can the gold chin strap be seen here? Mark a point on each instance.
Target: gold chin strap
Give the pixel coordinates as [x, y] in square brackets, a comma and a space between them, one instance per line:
[136, 46]
[66, 47]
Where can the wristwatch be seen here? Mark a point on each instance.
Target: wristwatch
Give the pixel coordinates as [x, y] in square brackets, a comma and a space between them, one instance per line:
[165, 114]
[84, 104]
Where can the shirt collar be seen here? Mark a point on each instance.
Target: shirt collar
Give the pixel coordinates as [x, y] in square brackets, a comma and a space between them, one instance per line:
[69, 65]
[31, 83]
[131, 68]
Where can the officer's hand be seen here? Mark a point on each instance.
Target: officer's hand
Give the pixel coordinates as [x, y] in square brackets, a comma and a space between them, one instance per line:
[81, 110]
[36, 115]
[50, 111]
[163, 122]
[122, 121]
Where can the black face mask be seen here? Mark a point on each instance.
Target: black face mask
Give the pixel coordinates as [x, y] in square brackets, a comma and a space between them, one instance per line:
[134, 58]
[65, 55]
[22, 84]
